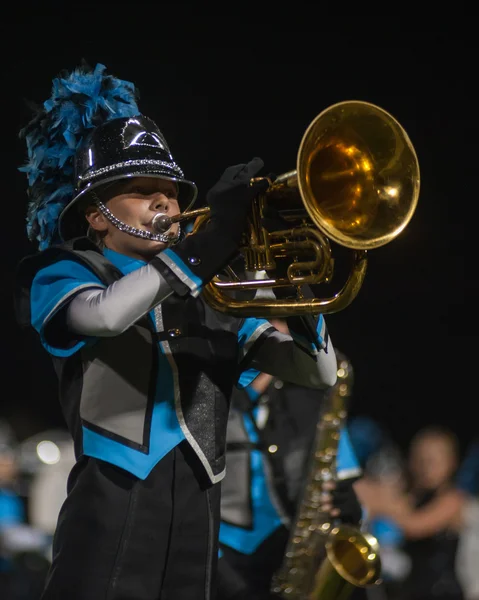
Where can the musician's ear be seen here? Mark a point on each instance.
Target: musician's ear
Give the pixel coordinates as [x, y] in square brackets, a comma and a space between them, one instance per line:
[96, 219]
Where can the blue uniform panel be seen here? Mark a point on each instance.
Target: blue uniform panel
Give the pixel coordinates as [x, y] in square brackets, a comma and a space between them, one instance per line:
[51, 289]
[248, 333]
[11, 509]
[247, 377]
[321, 336]
[386, 531]
[347, 463]
[249, 328]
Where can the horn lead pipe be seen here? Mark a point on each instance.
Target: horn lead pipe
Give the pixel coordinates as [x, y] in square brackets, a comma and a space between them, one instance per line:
[162, 222]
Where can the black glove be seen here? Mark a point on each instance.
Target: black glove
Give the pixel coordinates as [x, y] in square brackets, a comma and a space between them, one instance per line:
[345, 499]
[230, 198]
[209, 250]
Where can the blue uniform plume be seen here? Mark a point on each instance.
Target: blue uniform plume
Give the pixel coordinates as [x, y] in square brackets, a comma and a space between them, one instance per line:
[80, 101]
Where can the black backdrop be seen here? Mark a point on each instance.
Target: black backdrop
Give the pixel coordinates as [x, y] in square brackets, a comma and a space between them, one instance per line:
[226, 89]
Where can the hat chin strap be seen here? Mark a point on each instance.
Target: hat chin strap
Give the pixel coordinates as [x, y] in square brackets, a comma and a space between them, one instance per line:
[140, 233]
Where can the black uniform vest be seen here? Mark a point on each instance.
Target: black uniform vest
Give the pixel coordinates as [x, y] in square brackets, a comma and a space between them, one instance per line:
[202, 345]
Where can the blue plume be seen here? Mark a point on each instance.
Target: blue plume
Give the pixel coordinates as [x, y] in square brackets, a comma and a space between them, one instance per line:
[80, 101]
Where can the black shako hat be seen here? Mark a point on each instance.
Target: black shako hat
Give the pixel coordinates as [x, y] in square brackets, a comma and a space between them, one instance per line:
[119, 149]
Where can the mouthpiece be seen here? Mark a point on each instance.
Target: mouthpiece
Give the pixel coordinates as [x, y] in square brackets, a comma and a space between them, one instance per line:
[162, 222]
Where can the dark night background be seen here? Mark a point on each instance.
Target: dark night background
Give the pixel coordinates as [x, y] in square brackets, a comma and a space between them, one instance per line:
[223, 92]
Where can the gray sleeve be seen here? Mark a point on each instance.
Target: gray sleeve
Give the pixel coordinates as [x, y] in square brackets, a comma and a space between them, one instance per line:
[109, 312]
[280, 356]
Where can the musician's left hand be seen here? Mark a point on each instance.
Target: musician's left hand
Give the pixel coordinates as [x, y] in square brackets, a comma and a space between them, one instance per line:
[341, 501]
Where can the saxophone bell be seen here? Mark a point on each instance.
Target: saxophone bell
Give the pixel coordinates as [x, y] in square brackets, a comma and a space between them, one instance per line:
[352, 560]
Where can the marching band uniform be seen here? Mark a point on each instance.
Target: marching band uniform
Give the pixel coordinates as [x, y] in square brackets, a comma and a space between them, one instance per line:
[145, 366]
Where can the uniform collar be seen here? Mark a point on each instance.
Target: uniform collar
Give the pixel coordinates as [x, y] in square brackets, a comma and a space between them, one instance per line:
[126, 264]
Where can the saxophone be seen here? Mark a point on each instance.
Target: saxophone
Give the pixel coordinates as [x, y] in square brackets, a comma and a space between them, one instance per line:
[324, 560]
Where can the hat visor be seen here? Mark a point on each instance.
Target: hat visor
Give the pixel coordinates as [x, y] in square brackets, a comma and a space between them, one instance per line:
[71, 224]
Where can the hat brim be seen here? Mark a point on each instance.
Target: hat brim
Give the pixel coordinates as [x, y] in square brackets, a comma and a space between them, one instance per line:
[70, 223]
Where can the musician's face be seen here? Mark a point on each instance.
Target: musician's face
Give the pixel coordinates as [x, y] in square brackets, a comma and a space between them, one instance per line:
[432, 460]
[135, 202]
[8, 468]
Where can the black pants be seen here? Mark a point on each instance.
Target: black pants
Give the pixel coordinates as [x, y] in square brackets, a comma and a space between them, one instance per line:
[122, 538]
[248, 576]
